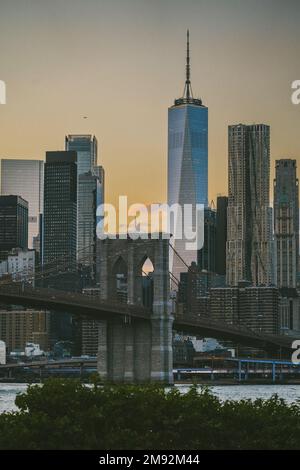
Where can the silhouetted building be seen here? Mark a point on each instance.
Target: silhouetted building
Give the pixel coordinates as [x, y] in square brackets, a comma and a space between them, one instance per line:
[25, 178]
[221, 235]
[286, 223]
[256, 308]
[13, 224]
[207, 254]
[60, 207]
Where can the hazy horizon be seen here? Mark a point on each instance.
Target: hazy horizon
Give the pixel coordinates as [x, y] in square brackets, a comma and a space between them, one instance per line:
[121, 63]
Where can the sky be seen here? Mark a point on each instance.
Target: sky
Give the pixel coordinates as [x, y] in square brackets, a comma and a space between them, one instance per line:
[121, 63]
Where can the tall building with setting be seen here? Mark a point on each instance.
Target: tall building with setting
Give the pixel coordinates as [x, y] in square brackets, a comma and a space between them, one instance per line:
[90, 194]
[187, 164]
[207, 254]
[25, 178]
[249, 244]
[60, 207]
[286, 223]
[221, 235]
[86, 147]
[13, 224]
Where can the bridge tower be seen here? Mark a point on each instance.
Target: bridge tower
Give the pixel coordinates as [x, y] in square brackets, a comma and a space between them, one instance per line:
[135, 350]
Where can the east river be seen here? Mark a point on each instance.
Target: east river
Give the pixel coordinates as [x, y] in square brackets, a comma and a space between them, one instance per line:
[290, 393]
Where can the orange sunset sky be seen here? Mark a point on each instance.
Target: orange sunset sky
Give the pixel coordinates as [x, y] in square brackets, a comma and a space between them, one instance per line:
[121, 63]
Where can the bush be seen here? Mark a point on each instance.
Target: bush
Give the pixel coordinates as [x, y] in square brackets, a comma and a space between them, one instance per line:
[65, 414]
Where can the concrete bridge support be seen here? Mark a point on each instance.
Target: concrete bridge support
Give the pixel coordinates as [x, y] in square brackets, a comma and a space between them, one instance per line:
[136, 350]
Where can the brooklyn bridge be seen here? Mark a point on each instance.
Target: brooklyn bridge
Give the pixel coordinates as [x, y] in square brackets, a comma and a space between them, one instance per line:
[135, 340]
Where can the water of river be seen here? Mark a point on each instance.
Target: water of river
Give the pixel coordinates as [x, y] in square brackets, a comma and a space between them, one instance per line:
[290, 393]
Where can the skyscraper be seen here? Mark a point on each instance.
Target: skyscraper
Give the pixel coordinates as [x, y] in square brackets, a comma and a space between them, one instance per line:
[286, 222]
[207, 254]
[221, 236]
[187, 162]
[60, 207]
[249, 222]
[90, 193]
[13, 224]
[25, 178]
[86, 147]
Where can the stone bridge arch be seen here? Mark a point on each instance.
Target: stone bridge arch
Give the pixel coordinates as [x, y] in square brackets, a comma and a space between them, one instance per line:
[134, 253]
[140, 350]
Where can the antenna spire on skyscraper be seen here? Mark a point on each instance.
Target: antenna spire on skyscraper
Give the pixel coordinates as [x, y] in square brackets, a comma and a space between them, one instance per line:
[187, 97]
[188, 87]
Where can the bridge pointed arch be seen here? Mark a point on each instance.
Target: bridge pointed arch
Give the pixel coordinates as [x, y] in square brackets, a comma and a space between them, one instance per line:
[147, 272]
[120, 280]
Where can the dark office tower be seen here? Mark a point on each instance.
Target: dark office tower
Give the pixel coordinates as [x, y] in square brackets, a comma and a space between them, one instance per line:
[248, 233]
[286, 222]
[25, 178]
[86, 233]
[60, 207]
[207, 254]
[221, 236]
[13, 224]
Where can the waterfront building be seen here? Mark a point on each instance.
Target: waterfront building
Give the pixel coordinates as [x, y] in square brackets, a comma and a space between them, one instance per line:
[256, 308]
[19, 326]
[19, 265]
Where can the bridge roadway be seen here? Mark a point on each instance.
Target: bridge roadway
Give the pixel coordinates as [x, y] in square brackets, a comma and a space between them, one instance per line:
[46, 363]
[90, 307]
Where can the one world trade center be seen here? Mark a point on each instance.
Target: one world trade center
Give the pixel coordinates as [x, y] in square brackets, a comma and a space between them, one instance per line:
[187, 172]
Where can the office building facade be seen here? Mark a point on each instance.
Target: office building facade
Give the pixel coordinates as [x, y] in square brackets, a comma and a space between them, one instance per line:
[221, 235]
[25, 178]
[286, 223]
[20, 326]
[90, 193]
[256, 308]
[60, 207]
[207, 254]
[13, 224]
[249, 247]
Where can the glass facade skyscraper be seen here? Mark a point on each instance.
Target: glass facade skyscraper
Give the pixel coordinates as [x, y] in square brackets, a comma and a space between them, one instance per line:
[60, 207]
[90, 194]
[86, 147]
[286, 222]
[25, 178]
[187, 163]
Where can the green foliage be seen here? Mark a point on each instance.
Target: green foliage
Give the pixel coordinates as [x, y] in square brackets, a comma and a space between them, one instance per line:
[65, 414]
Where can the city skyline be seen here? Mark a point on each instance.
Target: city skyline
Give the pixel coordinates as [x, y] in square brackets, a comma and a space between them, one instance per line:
[129, 115]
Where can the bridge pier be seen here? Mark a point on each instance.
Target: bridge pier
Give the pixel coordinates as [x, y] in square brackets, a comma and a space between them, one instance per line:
[140, 352]
[136, 349]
